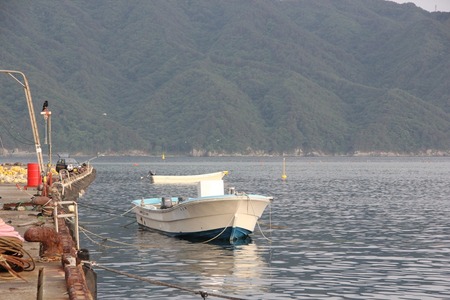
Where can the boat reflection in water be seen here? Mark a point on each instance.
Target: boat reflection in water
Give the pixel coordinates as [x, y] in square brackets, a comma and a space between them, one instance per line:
[220, 267]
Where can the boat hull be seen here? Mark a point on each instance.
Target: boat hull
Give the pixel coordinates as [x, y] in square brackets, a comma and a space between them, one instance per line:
[186, 179]
[227, 217]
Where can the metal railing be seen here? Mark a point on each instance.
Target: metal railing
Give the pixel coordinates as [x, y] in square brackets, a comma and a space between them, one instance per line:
[74, 215]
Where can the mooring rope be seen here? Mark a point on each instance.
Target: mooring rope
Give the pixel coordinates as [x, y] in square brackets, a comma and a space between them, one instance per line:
[203, 294]
[95, 242]
[103, 221]
[217, 236]
[22, 190]
[104, 240]
[257, 221]
[95, 207]
[259, 227]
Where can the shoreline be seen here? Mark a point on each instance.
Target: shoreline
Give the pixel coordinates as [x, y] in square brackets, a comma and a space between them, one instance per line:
[427, 153]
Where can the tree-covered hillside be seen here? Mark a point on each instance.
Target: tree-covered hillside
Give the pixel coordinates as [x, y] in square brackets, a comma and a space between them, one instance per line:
[228, 77]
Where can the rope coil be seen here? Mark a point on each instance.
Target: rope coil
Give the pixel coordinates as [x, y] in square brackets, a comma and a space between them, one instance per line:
[12, 258]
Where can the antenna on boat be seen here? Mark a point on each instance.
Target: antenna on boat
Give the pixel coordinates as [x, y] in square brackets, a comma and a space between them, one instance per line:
[284, 176]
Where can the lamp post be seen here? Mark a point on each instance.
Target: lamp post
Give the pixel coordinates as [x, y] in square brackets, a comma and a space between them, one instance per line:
[34, 127]
[48, 135]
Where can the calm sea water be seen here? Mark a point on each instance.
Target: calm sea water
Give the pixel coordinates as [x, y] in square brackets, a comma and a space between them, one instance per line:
[338, 228]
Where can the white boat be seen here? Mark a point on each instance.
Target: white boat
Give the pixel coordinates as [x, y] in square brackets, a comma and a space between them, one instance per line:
[185, 179]
[212, 215]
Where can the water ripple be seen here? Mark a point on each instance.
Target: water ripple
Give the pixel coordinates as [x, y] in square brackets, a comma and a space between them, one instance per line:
[341, 228]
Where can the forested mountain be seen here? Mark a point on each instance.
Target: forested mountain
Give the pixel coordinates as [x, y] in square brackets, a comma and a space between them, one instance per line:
[228, 77]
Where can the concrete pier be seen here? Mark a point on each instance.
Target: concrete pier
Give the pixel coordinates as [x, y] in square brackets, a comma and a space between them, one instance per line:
[58, 276]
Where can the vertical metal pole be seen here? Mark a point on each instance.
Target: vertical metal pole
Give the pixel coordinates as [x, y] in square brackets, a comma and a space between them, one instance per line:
[49, 166]
[46, 131]
[55, 217]
[77, 233]
[49, 141]
[48, 137]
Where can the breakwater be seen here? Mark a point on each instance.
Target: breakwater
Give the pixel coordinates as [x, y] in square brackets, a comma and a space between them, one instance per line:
[57, 268]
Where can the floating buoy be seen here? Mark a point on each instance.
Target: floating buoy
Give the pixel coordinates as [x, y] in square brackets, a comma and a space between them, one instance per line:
[284, 176]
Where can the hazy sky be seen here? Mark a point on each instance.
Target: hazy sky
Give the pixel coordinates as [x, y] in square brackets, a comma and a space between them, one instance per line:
[430, 5]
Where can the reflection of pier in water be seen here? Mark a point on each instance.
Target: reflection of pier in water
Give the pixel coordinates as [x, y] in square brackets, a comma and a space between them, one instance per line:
[219, 268]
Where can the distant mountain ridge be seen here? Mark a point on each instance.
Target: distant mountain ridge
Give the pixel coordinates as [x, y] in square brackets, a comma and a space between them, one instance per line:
[230, 77]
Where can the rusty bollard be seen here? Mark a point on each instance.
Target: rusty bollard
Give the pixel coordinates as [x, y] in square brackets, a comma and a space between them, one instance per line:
[46, 203]
[52, 246]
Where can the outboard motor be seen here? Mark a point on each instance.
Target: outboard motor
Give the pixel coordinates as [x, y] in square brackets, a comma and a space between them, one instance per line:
[166, 202]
